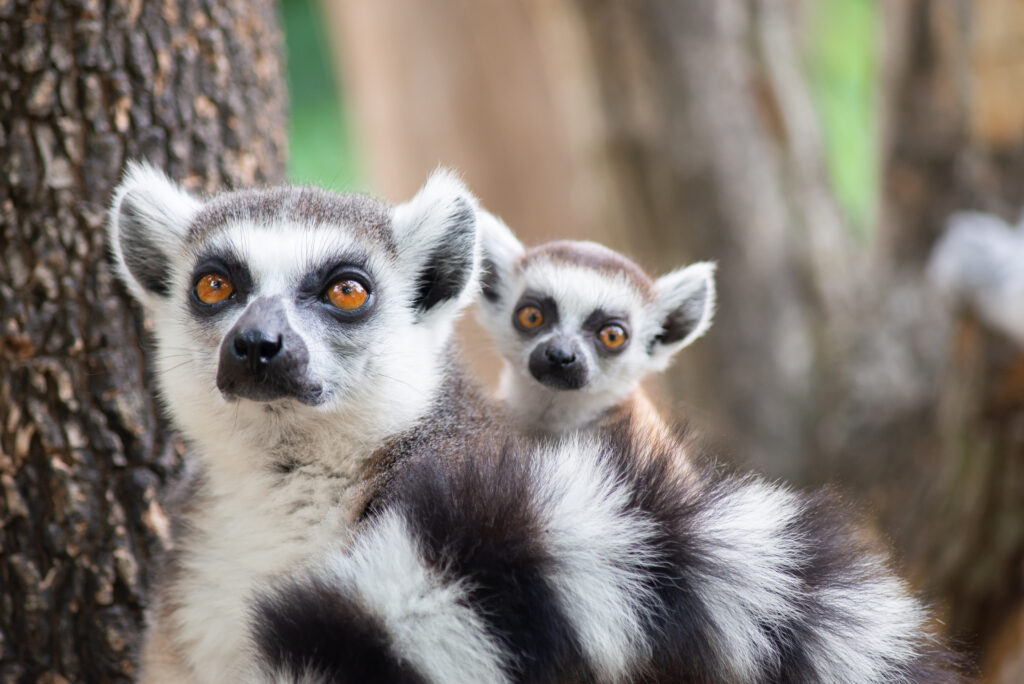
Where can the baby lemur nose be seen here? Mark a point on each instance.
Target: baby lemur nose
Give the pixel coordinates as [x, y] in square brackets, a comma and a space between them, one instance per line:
[256, 348]
[559, 356]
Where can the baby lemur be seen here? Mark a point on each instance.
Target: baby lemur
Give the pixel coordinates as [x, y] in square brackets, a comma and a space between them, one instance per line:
[357, 511]
[579, 326]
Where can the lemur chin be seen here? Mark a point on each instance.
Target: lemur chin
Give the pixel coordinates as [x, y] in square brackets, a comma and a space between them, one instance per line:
[358, 511]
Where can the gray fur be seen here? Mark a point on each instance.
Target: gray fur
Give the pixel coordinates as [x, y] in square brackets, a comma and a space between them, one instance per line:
[401, 529]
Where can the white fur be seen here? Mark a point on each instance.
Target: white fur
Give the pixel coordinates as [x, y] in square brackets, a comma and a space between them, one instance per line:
[379, 378]
[427, 616]
[499, 244]
[697, 282]
[746, 536]
[888, 624]
[578, 291]
[979, 263]
[601, 546]
[417, 227]
[156, 200]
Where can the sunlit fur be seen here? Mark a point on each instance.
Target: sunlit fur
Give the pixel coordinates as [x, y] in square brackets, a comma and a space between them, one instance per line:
[589, 561]
[396, 528]
[379, 377]
[579, 286]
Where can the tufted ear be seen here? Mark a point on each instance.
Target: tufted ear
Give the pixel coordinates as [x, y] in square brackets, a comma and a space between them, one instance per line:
[685, 303]
[147, 224]
[501, 251]
[437, 239]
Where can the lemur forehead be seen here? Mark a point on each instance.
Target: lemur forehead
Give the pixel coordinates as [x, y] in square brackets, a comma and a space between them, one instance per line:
[303, 205]
[593, 256]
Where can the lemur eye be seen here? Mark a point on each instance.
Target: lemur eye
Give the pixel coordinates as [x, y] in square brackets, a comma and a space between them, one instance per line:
[347, 294]
[213, 289]
[529, 316]
[612, 336]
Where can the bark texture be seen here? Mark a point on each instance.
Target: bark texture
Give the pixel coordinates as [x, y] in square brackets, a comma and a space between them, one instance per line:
[686, 130]
[197, 88]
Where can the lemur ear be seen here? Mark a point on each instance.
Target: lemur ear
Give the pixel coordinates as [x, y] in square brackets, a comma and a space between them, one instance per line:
[501, 251]
[685, 301]
[148, 220]
[437, 238]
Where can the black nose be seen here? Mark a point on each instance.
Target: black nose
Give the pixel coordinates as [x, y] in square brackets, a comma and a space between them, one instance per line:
[559, 356]
[256, 348]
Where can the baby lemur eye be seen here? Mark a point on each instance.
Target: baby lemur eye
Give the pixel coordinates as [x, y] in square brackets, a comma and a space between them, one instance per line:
[347, 294]
[213, 288]
[612, 336]
[529, 316]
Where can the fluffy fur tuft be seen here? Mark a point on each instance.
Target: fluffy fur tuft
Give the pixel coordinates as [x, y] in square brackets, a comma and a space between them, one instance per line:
[375, 530]
[587, 560]
[148, 219]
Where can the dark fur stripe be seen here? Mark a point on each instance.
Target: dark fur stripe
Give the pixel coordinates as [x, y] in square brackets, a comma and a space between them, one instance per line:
[312, 627]
[480, 523]
[476, 521]
[833, 549]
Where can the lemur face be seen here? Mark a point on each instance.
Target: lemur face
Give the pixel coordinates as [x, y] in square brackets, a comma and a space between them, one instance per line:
[578, 316]
[295, 300]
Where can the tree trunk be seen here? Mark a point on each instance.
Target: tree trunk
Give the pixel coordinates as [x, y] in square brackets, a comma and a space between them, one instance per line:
[197, 88]
[685, 130]
[956, 141]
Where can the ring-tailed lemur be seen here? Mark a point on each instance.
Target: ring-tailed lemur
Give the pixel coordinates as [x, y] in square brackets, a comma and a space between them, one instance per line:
[358, 512]
[579, 326]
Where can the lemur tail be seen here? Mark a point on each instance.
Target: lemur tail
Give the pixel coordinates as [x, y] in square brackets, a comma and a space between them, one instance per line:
[589, 561]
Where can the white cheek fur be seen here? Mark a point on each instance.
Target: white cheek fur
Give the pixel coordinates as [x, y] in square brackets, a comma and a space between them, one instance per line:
[577, 291]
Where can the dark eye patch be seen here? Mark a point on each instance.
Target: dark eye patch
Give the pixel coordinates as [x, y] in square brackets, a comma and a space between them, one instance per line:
[598, 320]
[547, 306]
[319, 278]
[228, 266]
[314, 286]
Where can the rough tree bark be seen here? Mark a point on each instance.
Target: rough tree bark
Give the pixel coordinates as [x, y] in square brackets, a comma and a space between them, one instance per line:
[685, 130]
[197, 88]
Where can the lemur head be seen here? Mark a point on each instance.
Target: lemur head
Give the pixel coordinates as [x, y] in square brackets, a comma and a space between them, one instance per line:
[579, 325]
[291, 312]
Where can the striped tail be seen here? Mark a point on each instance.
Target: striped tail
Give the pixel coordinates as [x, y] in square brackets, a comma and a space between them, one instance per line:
[592, 562]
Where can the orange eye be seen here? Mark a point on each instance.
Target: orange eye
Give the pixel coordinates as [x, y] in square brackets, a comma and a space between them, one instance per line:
[347, 295]
[529, 316]
[612, 336]
[213, 289]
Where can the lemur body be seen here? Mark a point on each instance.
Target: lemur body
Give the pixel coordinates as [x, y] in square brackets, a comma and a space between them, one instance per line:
[279, 448]
[579, 326]
[358, 512]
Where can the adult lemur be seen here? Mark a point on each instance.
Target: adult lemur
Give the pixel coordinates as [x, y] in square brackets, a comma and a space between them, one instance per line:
[579, 326]
[359, 513]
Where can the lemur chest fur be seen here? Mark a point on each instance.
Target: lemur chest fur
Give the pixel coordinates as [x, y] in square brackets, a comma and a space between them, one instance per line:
[240, 535]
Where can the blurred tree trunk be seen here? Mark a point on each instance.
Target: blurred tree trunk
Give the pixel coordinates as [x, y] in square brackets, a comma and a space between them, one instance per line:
[197, 88]
[679, 131]
[957, 142]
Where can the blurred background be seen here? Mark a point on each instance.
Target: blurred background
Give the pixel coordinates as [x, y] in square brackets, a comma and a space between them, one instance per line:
[869, 333]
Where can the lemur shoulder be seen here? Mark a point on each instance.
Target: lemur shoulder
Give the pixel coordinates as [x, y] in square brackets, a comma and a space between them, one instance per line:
[360, 512]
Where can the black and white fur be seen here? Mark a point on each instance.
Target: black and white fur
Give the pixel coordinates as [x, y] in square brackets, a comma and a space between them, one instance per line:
[581, 286]
[591, 561]
[274, 475]
[372, 518]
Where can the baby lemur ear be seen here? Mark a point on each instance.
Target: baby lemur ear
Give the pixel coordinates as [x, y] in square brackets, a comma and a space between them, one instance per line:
[146, 226]
[685, 301]
[501, 251]
[437, 239]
